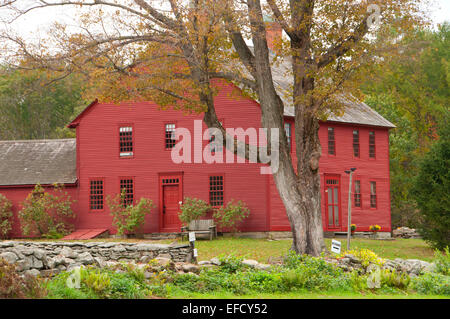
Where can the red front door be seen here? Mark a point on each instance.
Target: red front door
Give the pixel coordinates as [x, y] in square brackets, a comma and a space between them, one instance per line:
[333, 202]
[170, 203]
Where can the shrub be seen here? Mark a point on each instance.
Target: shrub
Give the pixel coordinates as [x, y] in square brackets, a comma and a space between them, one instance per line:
[431, 188]
[442, 261]
[128, 219]
[366, 256]
[394, 279]
[12, 285]
[431, 284]
[5, 216]
[230, 215]
[99, 283]
[47, 215]
[231, 263]
[193, 209]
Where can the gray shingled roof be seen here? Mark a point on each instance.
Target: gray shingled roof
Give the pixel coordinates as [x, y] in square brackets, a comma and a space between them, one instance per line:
[38, 161]
[356, 112]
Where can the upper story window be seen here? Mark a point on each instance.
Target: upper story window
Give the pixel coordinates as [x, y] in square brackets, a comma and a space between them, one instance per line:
[372, 144]
[216, 190]
[288, 130]
[357, 194]
[331, 141]
[126, 186]
[126, 141]
[96, 198]
[373, 194]
[356, 143]
[169, 136]
[215, 146]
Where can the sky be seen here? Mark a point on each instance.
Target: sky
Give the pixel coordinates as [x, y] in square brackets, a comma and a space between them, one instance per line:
[40, 21]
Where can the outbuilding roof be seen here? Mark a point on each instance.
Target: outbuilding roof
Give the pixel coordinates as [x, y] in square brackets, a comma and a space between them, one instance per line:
[38, 161]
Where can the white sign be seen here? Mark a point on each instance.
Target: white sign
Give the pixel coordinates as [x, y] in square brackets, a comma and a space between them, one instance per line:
[192, 236]
[195, 252]
[336, 246]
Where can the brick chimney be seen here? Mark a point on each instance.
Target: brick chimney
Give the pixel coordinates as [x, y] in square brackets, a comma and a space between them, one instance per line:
[274, 32]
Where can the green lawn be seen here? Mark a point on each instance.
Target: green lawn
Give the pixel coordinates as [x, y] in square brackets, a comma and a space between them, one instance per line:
[264, 250]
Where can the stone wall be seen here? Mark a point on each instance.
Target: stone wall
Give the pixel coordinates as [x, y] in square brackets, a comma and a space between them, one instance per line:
[46, 258]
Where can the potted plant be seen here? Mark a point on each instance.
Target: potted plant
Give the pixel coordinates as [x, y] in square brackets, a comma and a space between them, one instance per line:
[374, 229]
[353, 228]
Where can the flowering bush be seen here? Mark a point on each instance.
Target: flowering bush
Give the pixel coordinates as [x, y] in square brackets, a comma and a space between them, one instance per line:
[5, 216]
[47, 215]
[128, 219]
[366, 256]
[374, 228]
[353, 227]
[231, 214]
[193, 209]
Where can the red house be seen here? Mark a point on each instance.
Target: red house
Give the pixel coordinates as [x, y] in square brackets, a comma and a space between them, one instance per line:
[129, 146]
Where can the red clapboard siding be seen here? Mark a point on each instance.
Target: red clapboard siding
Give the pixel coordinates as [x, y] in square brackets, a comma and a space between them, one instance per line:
[18, 194]
[98, 157]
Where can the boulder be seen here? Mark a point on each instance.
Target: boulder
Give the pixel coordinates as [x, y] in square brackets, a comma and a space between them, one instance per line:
[32, 272]
[215, 261]
[85, 258]
[263, 267]
[68, 253]
[9, 257]
[250, 263]
[191, 268]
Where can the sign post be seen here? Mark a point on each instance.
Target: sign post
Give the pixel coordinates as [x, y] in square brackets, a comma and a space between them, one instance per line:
[192, 244]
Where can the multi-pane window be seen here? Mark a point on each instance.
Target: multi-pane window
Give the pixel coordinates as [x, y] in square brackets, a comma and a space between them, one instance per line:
[126, 141]
[373, 194]
[96, 197]
[357, 194]
[372, 144]
[356, 143]
[127, 189]
[216, 190]
[331, 142]
[169, 136]
[215, 146]
[288, 130]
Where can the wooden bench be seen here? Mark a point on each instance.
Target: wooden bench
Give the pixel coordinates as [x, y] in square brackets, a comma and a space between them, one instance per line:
[201, 226]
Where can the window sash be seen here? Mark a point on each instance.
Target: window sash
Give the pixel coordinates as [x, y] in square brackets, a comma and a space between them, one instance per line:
[96, 195]
[331, 141]
[357, 194]
[373, 194]
[216, 190]
[356, 143]
[288, 130]
[128, 185]
[169, 136]
[372, 144]
[126, 141]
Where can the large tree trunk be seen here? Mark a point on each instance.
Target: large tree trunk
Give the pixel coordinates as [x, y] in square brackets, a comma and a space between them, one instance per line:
[300, 193]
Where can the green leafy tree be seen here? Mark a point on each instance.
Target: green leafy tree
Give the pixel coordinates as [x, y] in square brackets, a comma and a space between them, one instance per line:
[47, 214]
[34, 107]
[431, 191]
[412, 91]
[128, 219]
[6, 215]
